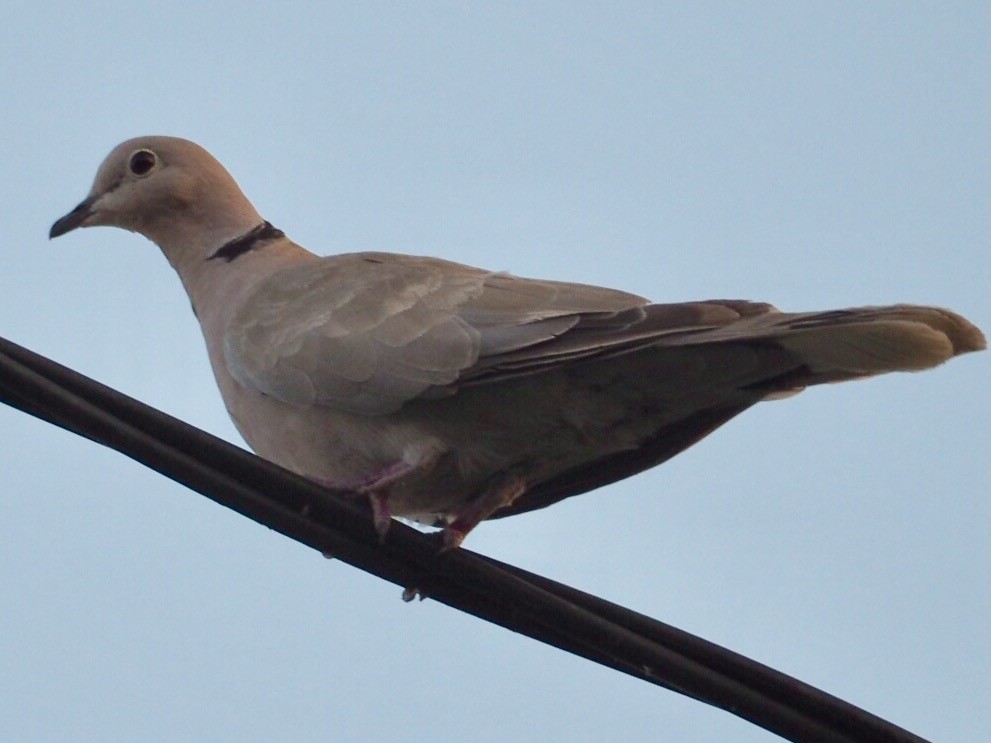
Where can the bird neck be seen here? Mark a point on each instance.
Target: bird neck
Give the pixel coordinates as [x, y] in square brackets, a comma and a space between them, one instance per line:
[217, 286]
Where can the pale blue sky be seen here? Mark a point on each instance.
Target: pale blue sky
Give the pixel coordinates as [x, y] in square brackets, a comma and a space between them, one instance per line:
[811, 155]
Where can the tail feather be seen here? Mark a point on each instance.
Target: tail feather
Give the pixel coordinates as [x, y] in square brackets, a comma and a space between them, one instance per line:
[875, 340]
[858, 342]
[870, 348]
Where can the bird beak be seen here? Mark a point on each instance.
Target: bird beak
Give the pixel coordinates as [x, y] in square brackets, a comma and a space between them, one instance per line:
[76, 218]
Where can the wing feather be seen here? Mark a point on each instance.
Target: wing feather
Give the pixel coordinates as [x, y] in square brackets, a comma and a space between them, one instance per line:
[368, 332]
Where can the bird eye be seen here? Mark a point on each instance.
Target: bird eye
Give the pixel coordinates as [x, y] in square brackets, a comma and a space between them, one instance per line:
[142, 162]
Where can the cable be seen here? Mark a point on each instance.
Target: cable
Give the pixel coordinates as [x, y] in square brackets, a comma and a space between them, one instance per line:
[340, 526]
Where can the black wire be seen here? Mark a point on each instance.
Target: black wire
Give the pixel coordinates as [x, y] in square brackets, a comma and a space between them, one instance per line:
[513, 598]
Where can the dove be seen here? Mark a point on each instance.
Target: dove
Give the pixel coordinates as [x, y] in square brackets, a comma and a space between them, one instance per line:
[449, 394]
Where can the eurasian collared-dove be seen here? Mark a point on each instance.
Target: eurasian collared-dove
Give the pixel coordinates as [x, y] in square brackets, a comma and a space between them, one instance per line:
[456, 394]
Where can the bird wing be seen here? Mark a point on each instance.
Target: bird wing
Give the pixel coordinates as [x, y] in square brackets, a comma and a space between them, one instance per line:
[368, 332]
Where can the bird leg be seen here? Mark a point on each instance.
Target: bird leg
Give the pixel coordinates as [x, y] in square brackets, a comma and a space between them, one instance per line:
[500, 492]
[381, 517]
[378, 484]
[381, 480]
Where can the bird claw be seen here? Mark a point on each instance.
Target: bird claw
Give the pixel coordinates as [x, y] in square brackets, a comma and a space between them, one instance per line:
[451, 538]
[499, 494]
[381, 517]
[376, 487]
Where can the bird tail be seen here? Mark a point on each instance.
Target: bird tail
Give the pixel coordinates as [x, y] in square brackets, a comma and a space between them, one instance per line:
[839, 345]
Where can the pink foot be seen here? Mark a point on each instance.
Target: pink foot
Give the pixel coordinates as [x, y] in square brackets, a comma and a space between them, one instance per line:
[451, 537]
[500, 493]
[376, 487]
[380, 513]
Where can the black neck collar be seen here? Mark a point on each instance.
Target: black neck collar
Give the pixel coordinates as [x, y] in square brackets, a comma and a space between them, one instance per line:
[247, 242]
